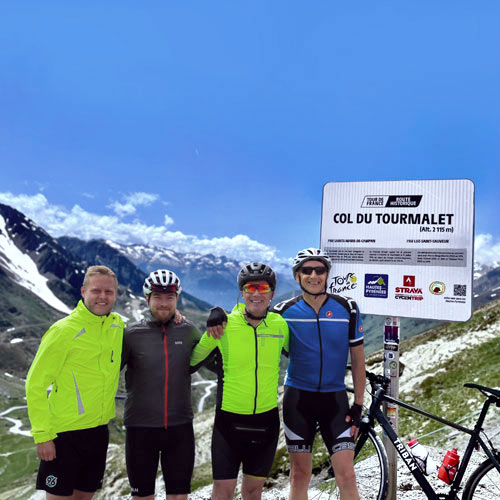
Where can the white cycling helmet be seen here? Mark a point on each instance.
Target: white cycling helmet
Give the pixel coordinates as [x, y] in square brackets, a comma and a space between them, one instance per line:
[162, 280]
[310, 254]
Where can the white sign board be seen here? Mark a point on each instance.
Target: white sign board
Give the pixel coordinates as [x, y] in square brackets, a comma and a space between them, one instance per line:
[401, 248]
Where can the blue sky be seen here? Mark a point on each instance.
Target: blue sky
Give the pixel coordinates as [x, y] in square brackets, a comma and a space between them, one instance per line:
[213, 126]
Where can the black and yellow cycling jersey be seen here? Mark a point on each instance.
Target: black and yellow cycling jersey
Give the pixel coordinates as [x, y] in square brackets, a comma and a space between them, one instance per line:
[248, 362]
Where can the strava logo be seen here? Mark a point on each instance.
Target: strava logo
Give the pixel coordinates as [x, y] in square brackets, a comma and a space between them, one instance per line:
[408, 291]
[408, 281]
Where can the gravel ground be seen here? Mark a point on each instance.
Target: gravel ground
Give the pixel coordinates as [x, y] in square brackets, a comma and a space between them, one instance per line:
[408, 488]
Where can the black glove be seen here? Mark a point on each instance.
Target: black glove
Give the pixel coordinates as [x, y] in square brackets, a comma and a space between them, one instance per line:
[355, 413]
[217, 317]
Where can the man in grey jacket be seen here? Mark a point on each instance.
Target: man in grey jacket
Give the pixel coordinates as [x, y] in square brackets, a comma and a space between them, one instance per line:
[158, 412]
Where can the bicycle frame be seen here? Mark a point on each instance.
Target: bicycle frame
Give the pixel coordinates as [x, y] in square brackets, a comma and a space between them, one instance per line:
[375, 413]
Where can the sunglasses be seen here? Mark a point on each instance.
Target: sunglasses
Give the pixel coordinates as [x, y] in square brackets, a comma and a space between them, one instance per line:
[265, 288]
[309, 270]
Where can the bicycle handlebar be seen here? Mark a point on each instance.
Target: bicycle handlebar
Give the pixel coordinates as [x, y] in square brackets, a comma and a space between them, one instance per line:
[379, 380]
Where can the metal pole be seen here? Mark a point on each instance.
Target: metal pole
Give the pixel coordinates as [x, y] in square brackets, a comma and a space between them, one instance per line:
[391, 369]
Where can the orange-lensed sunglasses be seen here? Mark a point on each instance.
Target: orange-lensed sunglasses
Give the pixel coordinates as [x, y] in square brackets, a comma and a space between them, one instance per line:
[264, 288]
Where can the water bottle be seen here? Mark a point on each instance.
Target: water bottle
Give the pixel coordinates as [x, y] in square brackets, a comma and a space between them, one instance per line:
[421, 456]
[449, 466]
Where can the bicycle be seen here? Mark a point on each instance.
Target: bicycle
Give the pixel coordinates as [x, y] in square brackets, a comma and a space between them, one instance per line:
[371, 463]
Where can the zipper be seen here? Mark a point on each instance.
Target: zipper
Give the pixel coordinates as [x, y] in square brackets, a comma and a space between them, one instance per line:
[320, 353]
[256, 369]
[165, 351]
[101, 339]
[320, 342]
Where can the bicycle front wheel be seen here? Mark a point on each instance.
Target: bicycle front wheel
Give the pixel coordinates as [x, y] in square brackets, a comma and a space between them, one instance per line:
[484, 483]
[370, 466]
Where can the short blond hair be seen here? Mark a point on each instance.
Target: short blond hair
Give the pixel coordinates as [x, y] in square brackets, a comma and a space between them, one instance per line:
[99, 271]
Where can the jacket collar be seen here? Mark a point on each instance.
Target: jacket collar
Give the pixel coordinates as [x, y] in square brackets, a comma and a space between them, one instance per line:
[84, 311]
[239, 310]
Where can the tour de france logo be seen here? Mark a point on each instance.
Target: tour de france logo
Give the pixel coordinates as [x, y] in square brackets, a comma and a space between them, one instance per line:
[51, 481]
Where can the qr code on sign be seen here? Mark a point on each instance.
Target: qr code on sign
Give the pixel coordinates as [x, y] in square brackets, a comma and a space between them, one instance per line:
[459, 290]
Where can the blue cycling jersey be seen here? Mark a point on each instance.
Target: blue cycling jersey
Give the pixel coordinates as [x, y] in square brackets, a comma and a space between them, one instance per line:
[319, 343]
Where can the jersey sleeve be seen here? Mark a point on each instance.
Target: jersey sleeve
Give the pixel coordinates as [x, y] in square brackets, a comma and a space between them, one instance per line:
[358, 333]
[195, 336]
[286, 341]
[44, 370]
[202, 350]
[125, 349]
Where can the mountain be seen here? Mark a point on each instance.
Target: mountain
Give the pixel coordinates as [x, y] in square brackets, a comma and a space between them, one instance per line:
[207, 276]
[103, 253]
[482, 269]
[40, 282]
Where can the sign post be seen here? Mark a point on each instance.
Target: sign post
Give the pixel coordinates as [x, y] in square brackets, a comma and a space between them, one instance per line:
[391, 370]
[401, 249]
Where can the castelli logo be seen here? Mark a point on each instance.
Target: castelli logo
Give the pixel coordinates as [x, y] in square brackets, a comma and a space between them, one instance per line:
[437, 287]
[329, 314]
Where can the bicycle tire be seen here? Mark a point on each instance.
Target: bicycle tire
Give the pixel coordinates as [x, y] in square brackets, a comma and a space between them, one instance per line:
[370, 467]
[484, 483]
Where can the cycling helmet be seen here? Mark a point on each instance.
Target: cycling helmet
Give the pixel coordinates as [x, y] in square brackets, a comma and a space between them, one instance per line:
[162, 280]
[310, 254]
[256, 271]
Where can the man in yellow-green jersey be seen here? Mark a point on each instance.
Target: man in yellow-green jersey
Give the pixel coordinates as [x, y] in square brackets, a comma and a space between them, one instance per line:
[79, 356]
[246, 426]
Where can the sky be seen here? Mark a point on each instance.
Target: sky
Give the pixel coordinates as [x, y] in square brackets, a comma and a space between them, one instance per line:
[212, 127]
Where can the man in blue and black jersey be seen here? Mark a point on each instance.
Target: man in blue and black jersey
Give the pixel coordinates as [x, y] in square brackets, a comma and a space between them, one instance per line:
[324, 330]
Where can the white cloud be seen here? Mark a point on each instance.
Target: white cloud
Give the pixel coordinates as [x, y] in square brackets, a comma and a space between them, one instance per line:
[59, 221]
[486, 250]
[131, 201]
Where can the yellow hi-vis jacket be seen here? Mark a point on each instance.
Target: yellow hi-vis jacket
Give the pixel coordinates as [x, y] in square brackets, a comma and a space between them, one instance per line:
[248, 361]
[80, 357]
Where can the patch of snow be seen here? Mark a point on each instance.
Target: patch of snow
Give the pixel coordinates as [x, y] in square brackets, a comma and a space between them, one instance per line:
[26, 272]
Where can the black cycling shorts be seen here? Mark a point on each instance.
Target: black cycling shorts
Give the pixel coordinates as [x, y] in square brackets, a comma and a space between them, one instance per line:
[79, 464]
[305, 411]
[173, 447]
[250, 440]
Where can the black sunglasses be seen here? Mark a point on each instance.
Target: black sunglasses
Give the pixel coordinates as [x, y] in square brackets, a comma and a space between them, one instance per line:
[309, 270]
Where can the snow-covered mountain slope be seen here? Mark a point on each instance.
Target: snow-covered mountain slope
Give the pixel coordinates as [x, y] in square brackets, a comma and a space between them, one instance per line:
[21, 268]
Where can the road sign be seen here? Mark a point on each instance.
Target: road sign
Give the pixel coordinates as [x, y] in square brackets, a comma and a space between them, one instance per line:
[402, 248]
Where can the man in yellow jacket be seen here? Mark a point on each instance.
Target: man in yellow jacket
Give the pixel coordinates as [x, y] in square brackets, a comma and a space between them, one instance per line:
[246, 426]
[79, 356]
